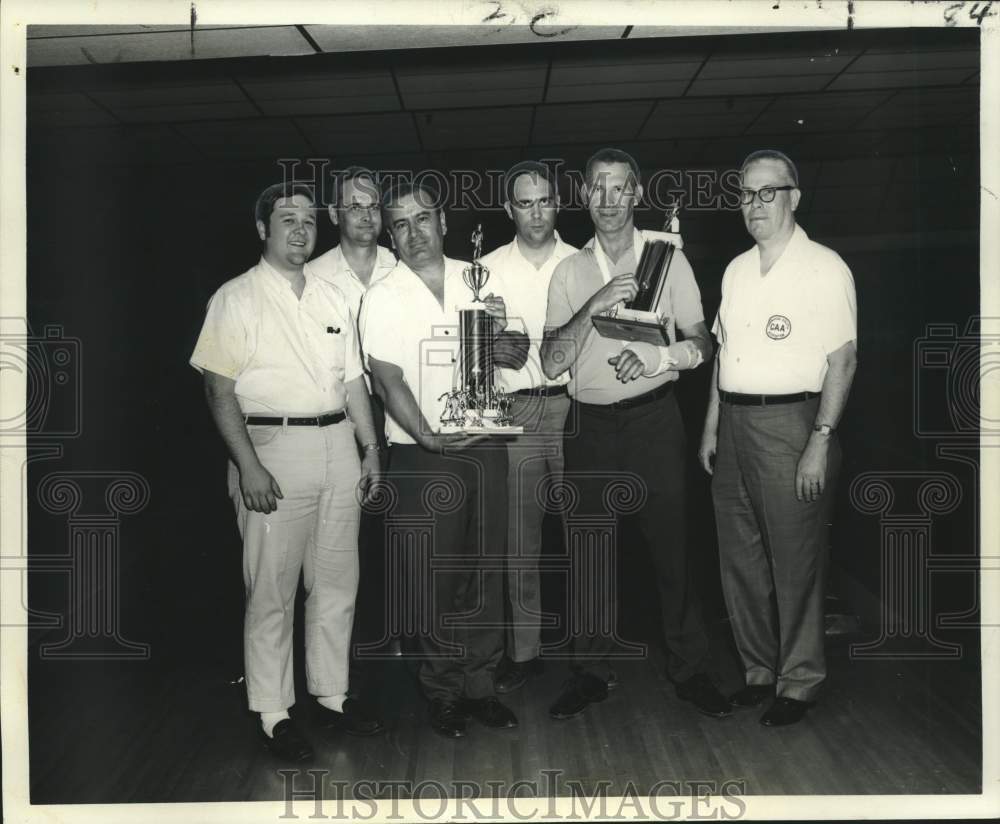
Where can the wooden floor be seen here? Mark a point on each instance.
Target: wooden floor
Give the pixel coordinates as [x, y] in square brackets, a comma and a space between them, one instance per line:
[161, 731]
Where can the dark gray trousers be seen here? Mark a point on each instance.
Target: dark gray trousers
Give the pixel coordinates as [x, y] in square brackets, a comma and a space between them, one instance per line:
[773, 547]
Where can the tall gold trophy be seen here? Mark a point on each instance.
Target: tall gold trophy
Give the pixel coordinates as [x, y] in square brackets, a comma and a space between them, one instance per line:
[476, 404]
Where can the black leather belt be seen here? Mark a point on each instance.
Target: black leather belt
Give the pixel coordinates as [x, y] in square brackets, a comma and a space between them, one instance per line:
[320, 420]
[542, 391]
[638, 400]
[765, 400]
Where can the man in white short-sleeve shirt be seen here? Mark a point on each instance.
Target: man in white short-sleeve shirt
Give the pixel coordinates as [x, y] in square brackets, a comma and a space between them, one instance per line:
[409, 330]
[285, 386]
[787, 331]
[521, 271]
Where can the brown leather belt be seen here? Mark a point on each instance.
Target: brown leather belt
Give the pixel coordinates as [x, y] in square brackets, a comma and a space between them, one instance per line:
[765, 400]
[320, 420]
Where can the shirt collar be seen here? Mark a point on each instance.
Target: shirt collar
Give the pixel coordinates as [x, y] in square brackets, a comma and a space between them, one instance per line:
[797, 241]
[385, 262]
[276, 278]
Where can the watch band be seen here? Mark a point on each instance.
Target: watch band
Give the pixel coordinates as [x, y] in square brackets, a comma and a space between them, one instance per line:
[823, 429]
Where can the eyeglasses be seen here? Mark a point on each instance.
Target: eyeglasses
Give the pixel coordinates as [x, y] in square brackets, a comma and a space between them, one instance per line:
[765, 193]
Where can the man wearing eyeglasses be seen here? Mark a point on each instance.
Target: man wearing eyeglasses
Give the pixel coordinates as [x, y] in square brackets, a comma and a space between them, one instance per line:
[521, 271]
[787, 331]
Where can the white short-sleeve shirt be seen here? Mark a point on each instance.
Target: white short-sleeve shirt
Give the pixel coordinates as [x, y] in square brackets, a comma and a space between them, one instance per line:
[525, 291]
[333, 267]
[288, 355]
[402, 323]
[776, 330]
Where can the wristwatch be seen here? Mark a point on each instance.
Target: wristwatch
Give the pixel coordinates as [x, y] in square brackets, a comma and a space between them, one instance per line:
[371, 447]
[823, 429]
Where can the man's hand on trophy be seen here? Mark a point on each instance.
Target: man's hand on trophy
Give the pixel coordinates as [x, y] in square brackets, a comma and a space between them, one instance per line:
[622, 287]
[628, 365]
[496, 309]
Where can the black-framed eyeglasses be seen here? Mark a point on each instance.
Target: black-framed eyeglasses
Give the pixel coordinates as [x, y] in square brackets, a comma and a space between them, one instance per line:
[765, 193]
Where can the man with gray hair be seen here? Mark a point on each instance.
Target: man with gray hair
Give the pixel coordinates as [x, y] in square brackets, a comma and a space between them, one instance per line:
[787, 331]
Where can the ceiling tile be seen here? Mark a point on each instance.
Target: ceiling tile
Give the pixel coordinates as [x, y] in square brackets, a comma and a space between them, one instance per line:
[329, 93]
[702, 116]
[390, 132]
[855, 172]
[721, 66]
[65, 109]
[575, 122]
[447, 87]
[876, 60]
[195, 111]
[890, 79]
[474, 127]
[241, 139]
[615, 91]
[759, 85]
[152, 94]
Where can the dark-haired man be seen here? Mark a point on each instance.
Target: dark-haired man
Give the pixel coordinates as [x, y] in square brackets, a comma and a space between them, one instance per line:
[628, 420]
[284, 384]
[521, 271]
[409, 329]
[787, 327]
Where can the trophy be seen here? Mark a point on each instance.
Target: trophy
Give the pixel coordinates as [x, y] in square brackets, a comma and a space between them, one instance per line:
[476, 404]
[638, 320]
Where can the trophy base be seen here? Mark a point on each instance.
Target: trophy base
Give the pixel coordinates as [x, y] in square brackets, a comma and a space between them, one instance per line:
[633, 325]
[481, 429]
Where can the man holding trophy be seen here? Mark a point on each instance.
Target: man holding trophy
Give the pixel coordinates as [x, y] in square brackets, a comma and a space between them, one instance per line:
[628, 418]
[410, 335]
[521, 270]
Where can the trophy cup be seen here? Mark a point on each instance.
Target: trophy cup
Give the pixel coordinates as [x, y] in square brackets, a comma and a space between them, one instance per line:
[476, 404]
[639, 320]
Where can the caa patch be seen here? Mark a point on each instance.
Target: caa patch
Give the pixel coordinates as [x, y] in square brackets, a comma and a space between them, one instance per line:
[778, 327]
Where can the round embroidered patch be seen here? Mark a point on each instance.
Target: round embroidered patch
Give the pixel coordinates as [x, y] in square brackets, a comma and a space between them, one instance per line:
[778, 327]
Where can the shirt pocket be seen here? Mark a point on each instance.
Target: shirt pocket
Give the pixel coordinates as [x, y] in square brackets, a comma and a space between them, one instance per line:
[333, 347]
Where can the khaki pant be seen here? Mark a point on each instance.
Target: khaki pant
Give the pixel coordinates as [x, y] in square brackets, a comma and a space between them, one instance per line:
[315, 531]
[534, 460]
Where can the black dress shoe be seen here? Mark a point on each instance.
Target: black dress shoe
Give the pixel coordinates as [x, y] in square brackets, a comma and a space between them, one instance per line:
[752, 696]
[447, 718]
[287, 743]
[578, 693]
[354, 719]
[784, 711]
[512, 675]
[490, 713]
[700, 691]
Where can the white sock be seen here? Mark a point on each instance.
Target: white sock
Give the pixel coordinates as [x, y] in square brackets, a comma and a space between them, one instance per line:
[332, 702]
[269, 720]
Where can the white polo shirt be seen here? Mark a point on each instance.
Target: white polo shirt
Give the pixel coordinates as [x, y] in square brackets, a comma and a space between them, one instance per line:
[402, 323]
[525, 291]
[333, 267]
[289, 356]
[776, 330]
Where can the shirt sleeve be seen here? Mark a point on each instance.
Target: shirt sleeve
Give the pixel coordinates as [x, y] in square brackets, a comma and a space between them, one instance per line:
[836, 305]
[381, 324]
[685, 297]
[352, 350]
[558, 310]
[717, 328]
[222, 345]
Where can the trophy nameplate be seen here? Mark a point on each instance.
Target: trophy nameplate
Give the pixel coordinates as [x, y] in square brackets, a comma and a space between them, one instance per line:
[476, 405]
[638, 319]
